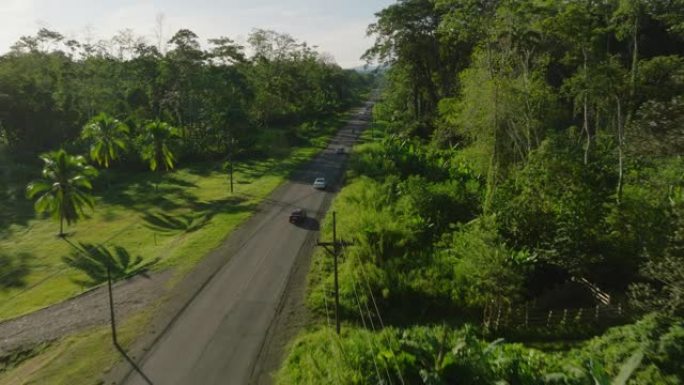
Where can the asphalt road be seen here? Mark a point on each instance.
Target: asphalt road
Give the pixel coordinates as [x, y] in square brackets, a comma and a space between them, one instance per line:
[217, 338]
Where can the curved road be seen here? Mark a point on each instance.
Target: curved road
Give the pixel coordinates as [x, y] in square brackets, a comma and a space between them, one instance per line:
[218, 337]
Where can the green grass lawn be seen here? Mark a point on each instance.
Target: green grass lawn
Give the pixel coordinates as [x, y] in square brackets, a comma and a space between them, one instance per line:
[170, 219]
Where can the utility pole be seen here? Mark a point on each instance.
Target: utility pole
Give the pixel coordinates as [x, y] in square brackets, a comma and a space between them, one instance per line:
[335, 252]
[231, 144]
[372, 126]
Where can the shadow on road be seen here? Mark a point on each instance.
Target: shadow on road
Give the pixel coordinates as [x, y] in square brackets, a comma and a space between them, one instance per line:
[309, 224]
[133, 364]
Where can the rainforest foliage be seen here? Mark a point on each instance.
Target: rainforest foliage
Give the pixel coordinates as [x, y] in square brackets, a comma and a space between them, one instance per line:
[132, 105]
[212, 92]
[526, 155]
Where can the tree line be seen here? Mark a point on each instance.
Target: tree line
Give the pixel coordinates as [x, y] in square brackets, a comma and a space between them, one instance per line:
[569, 114]
[126, 103]
[50, 87]
[526, 147]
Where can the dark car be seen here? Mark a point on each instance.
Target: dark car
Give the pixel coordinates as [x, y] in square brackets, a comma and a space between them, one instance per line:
[340, 151]
[297, 216]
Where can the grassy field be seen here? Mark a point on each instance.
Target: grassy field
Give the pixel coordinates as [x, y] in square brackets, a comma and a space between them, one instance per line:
[171, 220]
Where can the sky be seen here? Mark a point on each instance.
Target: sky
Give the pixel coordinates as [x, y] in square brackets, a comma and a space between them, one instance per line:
[337, 27]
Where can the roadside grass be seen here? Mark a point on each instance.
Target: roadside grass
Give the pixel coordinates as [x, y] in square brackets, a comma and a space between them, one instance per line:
[319, 278]
[171, 220]
[318, 354]
[82, 358]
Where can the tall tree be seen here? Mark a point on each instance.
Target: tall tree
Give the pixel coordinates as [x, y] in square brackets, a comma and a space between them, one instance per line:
[63, 191]
[579, 28]
[157, 138]
[406, 38]
[107, 137]
[627, 20]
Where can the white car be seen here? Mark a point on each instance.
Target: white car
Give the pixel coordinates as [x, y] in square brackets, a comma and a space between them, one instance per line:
[320, 184]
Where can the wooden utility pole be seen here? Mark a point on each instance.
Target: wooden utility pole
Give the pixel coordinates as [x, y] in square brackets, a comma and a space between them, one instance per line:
[230, 160]
[335, 252]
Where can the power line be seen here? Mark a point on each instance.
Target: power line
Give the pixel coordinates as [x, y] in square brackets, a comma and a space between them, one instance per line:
[370, 343]
[335, 254]
[35, 285]
[61, 270]
[370, 320]
[360, 266]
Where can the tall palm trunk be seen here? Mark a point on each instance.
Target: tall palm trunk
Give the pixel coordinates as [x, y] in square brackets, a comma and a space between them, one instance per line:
[61, 223]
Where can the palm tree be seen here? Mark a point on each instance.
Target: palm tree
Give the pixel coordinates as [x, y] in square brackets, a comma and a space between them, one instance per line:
[107, 138]
[157, 137]
[63, 189]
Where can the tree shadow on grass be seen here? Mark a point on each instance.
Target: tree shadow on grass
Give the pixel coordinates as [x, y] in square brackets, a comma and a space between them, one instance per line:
[203, 168]
[260, 167]
[13, 270]
[149, 189]
[165, 223]
[175, 181]
[202, 213]
[255, 169]
[15, 209]
[95, 260]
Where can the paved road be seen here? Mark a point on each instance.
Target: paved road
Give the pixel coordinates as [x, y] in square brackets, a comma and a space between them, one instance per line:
[217, 339]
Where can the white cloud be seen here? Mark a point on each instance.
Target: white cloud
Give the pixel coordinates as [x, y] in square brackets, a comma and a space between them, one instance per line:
[16, 18]
[348, 40]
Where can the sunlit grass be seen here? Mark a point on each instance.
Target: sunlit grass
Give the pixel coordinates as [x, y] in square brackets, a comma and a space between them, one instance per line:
[196, 199]
[195, 192]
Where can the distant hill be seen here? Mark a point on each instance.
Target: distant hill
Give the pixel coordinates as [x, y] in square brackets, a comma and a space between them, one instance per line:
[364, 69]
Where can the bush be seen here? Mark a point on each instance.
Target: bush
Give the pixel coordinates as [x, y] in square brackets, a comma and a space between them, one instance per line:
[649, 352]
[484, 269]
[556, 206]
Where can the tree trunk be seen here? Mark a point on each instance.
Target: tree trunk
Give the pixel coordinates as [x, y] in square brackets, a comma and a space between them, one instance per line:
[528, 107]
[635, 57]
[585, 111]
[61, 223]
[620, 131]
[631, 104]
[494, 161]
[416, 103]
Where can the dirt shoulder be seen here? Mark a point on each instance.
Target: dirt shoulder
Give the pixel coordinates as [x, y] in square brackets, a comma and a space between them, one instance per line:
[85, 310]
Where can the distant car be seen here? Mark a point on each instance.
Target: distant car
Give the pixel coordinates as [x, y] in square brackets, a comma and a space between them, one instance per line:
[320, 184]
[340, 150]
[297, 216]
